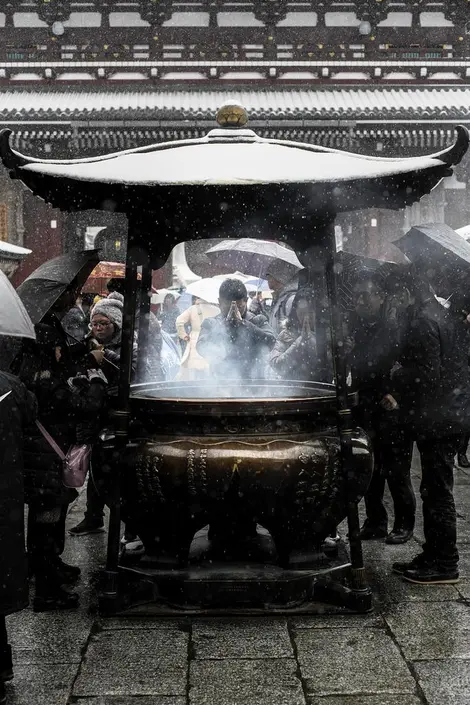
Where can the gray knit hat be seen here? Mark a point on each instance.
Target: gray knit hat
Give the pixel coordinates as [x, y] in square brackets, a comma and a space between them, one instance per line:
[111, 307]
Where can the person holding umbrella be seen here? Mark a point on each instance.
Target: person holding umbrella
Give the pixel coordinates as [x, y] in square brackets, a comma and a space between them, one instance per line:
[70, 396]
[65, 410]
[17, 411]
[431, 389]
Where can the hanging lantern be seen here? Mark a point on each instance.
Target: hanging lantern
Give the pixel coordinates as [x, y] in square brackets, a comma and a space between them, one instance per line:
[271, 12]
[156, 11]
[51, 11]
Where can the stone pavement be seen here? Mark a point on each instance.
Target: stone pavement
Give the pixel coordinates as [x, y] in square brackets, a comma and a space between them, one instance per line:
[414, 649]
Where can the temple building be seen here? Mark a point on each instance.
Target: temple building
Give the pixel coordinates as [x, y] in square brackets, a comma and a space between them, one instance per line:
[89, 77]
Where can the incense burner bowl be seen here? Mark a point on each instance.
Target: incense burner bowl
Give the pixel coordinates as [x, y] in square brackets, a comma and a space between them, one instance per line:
[257, 455]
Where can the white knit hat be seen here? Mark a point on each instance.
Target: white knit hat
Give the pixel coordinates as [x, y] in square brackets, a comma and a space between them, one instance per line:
[111, 307]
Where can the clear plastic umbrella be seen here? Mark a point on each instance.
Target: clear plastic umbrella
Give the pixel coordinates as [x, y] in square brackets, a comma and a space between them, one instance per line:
[250, 255]
[14, 320]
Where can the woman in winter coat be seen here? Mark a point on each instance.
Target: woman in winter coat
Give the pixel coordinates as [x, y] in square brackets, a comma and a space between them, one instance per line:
[106, 332]
[64, 409]
[294, 354]
[193, 366]
[17, 410]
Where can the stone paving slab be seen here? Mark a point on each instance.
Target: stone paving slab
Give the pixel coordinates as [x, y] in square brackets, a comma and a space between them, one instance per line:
[41, 685]
[351, 661]
[445, 682]
[137, 646]
[463, 587]
[131, 700]
[131, 679]
[134, 662]
[337, 621]
[243, 638]
[382, 699]
[48, 638]
[245, 682]
[116, 623]
[432, 631]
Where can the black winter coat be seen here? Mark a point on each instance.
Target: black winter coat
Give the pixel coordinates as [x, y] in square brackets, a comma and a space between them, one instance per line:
[235, 352]
[17, 410]
[375, 351]
[62, 409]
[432, 384]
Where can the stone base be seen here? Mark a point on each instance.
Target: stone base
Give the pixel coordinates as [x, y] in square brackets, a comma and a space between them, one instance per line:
[249, 582]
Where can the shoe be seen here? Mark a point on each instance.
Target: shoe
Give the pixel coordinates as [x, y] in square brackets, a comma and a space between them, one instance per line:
[87, 526]
[128, 538]
[431, 575]
[6, 665]
[68, 573]
[370, 532]
[419, 561]
[59, 599]
[3, 695]
[397, 536]
[463, 461]
[135, 546]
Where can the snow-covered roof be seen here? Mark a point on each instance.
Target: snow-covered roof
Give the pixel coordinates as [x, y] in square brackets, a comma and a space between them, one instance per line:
[227, 157]
[10, 251]
[294, 103]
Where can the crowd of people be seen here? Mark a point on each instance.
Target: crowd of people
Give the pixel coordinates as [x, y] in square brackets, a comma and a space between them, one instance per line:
[407, 357]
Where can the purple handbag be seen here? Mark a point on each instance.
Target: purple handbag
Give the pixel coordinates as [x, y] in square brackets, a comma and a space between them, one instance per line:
[76, 462]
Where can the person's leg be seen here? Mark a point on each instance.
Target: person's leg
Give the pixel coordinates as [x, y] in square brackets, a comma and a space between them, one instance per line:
[440, 521]
[397, 456]
[50, 594]
[375, 525]
[93, 521]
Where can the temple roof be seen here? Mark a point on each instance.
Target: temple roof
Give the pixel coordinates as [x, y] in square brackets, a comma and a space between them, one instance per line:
[142, 103]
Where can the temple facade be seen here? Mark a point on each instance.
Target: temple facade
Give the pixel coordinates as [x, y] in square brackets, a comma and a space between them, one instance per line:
[88, 78]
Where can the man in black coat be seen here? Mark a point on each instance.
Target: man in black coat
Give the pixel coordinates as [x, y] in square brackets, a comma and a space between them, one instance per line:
[235, 342]
[431, 387]
[17, 410]
[375, 341]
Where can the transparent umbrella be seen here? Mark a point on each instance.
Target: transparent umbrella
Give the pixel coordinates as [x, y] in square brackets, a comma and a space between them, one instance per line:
[250, 255]
[14, 319]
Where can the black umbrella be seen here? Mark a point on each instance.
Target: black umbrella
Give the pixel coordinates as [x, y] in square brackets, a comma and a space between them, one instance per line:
[40, 291]
[439, 252]
[350, 267]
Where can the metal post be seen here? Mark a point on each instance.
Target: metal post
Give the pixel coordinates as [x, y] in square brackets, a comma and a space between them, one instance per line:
[358, 580]
[109, 594]
[144, 318]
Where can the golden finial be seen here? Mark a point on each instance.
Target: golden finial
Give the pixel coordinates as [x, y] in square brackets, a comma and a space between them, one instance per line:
[232, 115]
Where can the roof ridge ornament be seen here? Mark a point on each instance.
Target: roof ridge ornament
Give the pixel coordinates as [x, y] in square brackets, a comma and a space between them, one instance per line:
[232, 115]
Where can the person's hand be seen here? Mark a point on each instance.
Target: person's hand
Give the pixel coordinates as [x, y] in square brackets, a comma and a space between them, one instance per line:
[234, 316]
[98, 355]
[389, 403]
